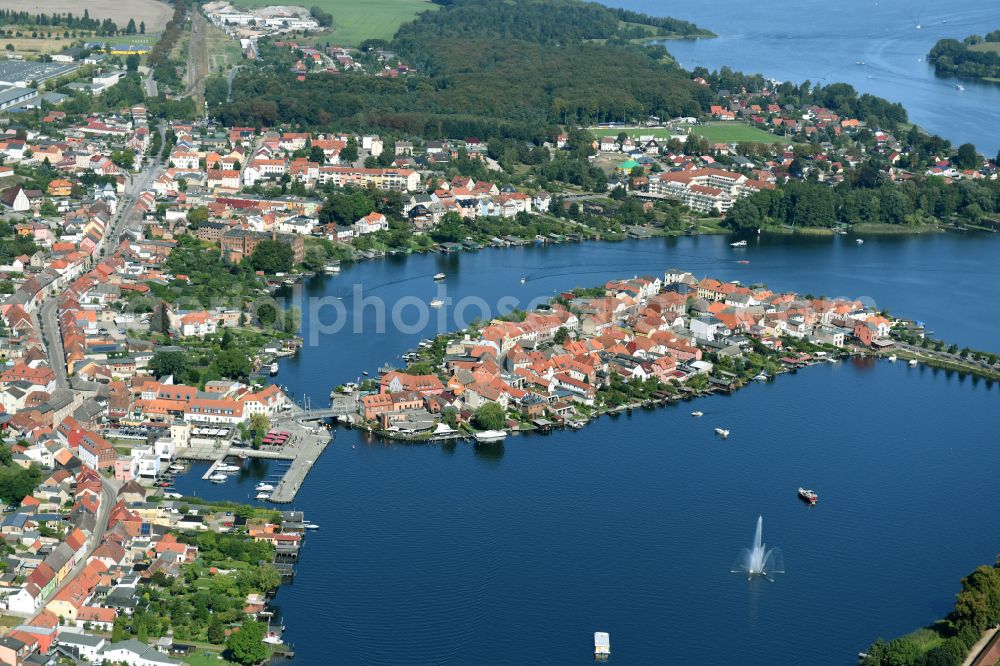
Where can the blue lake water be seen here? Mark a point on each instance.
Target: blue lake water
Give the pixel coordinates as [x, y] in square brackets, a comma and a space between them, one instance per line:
[823, 43]
[470, 555]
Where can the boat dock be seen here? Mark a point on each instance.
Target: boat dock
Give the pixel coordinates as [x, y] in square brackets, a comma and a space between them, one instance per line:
[308, 442]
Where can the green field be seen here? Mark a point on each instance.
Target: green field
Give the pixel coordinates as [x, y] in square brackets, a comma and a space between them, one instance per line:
[634, 132]
[354, 21]
[986, 47]
[734, 132]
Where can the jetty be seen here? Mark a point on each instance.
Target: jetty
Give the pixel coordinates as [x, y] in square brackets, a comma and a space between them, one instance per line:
[308, 442]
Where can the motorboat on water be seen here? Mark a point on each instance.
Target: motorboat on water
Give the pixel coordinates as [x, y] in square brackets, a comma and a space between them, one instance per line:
[218, 478]
[741, 243]
[859, 241]
[722, 432]
[273, 369]
[227, 468]
[808, 496]
[892, 358]
[439, 276]
[697, 413]
[264, 487]
[490, 436]
[523, 279]
[914, 362]
[311, 526]
[436, 303]
[263, 496]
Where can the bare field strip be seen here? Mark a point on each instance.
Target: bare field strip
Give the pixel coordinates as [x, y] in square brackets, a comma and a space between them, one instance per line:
[154, 13]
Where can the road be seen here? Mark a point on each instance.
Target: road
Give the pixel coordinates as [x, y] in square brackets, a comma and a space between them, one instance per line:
[46, 319]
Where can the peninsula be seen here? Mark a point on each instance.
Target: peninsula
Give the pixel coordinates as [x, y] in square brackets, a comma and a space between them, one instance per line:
[629, 343]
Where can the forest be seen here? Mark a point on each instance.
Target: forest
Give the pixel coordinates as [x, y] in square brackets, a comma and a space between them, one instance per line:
[511, 69]
[951, 57]
[863, 200]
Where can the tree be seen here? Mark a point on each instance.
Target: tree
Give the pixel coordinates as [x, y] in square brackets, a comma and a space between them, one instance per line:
[259, 424]
[246, 646]
[132, 62]
[349, 153]
[16, 482]
[232, 363]
[166, 363]
[216, 631]
[315, 257]
[142, 27]
[272, 257]
[967, 157]
[130, 28]
[9, 47]
[489, 417]
[561, 335]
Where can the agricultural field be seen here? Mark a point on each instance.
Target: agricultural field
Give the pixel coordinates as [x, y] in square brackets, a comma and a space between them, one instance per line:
[354, 21]
[55, 41]
[153, 12]
[734, 132]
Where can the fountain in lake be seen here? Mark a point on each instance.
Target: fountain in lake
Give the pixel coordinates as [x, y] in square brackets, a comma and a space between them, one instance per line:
[759, 560]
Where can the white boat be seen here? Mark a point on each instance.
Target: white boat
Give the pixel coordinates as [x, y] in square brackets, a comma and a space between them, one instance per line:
[172, 495]
[741, 243]
[263, 496]
[333, 268]
[575, 425]
[762, 377]
[177, 467]
[272, 639]
[722, 432]
[914, 362]
[892, 359]
[436, 303]
[439, 276]
[264, 487]
[218, 478]
[273, 369]
[523, 279]
[488, 436]
[959, 87]
[697, 413]
[311, 526]
[859, 241]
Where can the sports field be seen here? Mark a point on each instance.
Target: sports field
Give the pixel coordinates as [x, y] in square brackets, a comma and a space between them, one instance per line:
[355, 21]
[734, 132]
[635, 132]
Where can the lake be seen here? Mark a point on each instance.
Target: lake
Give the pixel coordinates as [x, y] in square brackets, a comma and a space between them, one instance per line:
[464, 554]
[823, 43]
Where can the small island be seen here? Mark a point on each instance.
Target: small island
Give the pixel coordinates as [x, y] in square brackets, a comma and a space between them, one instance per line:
[975, 57]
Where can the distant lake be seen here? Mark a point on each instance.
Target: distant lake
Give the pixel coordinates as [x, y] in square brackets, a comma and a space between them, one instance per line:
[824, 42]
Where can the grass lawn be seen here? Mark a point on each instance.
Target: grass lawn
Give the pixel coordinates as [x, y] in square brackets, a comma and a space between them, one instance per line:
[223, 51]
[730, 132]
[354, 22]
[206, 658]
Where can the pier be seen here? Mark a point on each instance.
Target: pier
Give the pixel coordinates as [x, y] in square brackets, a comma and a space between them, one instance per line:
[308, 451]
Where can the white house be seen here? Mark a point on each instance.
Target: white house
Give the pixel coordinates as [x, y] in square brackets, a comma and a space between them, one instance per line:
[371, 223]
[134, 653]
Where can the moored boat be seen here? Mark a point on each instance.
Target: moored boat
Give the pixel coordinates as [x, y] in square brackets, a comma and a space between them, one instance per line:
[808, 496]
[914, 362]
[263, 496]
[218, 478]
[273, 369]
[488, 436]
